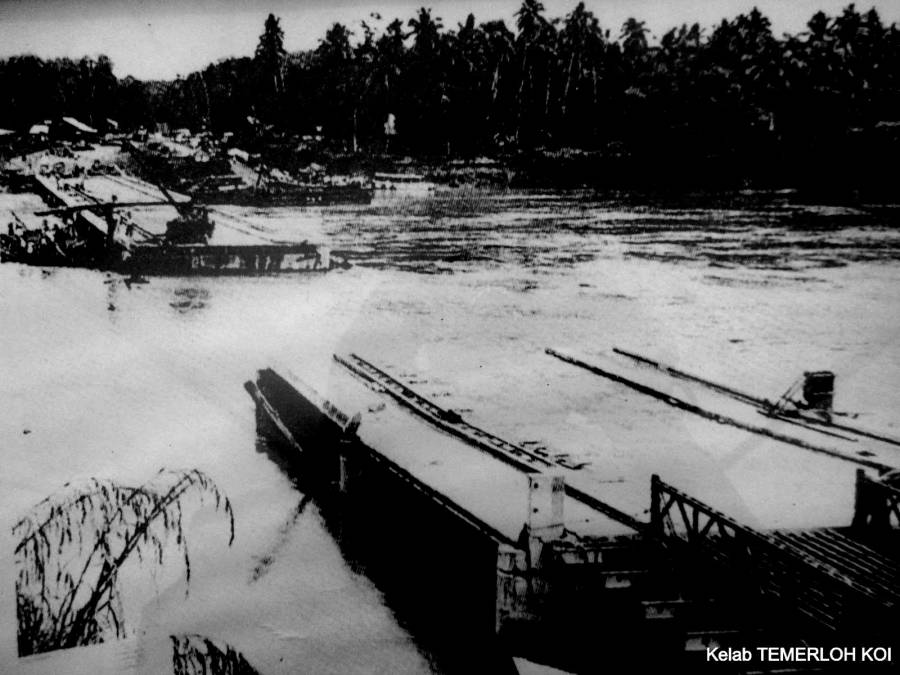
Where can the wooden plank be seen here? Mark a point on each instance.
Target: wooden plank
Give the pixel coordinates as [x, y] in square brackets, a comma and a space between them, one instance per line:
[876, 557]
[818, 589]
[845, 561]
[846, 546]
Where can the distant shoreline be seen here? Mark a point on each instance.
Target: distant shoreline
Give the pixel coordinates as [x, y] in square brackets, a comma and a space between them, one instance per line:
[835, 179]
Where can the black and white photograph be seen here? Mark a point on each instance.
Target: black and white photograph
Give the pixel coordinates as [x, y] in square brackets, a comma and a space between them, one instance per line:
[513, 337]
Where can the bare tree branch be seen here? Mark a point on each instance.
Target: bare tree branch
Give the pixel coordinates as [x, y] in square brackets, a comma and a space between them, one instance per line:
[72, 546]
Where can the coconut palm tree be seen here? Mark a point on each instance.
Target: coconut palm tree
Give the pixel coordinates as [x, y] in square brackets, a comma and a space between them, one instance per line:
[270, 58]
[536, 52]
[335, 75]
[468, 85]
[634, 38]
[426, 81]
[582, 48]
[500, 54]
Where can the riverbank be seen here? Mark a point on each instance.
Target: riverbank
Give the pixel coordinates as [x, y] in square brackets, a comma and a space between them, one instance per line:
[850, 171]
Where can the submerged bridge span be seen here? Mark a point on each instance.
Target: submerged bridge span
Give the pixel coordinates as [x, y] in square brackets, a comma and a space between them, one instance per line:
[490, 542]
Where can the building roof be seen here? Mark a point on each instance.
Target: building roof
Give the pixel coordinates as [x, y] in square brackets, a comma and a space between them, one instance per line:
[81, 126]
[39, 129]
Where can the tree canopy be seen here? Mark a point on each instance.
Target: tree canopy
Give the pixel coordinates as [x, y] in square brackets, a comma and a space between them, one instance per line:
[543, 82]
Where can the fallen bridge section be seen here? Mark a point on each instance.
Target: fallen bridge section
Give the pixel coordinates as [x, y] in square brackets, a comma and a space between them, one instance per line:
[830, 580]
[489, 548]
[125, 226]
[433, 517]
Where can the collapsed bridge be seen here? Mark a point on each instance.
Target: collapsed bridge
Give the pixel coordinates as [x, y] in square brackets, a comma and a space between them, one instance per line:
[494, 543]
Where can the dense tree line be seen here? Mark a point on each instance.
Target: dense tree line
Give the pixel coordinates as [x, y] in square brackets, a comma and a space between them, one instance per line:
[541, 83]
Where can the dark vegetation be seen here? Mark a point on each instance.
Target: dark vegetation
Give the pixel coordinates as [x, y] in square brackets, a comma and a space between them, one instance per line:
[72, 547]
[562, 99]
[198, 655]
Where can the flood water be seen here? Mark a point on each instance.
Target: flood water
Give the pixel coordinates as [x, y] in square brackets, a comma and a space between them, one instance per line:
[459, 293]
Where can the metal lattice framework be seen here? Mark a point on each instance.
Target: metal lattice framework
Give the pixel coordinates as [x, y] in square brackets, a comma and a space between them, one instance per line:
[768, 565]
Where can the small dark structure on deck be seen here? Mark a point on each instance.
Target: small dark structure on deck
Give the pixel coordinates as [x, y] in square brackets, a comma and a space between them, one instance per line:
[818, 390]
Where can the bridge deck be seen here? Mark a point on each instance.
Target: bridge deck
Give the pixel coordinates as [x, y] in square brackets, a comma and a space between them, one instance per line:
[493, 491]
[825, 578]
[859, 564]
[230, 230]
[56, 193]
[762, 480]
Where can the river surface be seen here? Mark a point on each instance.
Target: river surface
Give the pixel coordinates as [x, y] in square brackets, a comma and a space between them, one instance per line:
[458, 293]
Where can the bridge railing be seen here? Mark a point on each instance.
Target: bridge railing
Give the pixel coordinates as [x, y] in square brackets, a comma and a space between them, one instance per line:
[764, 567]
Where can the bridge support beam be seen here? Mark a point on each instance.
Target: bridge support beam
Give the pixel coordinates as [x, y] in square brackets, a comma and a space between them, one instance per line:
[546, 518]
